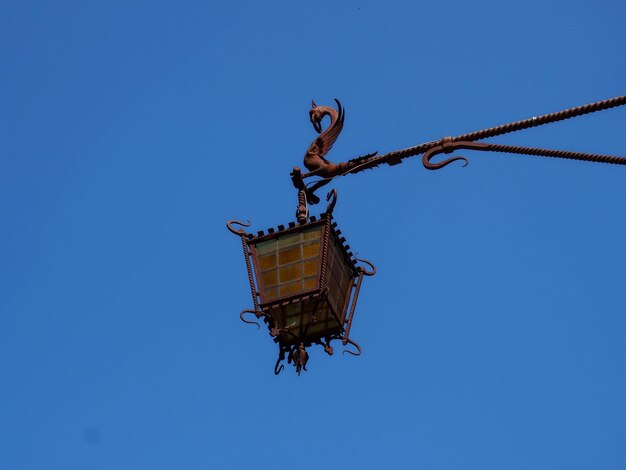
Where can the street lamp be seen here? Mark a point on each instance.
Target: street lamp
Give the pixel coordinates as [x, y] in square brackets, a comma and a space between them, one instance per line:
[304, 280]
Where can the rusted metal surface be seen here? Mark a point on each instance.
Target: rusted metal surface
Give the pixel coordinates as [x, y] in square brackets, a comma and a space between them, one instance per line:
[314, 159]
[447, 145]
[302, 213]
[397, 156]
[328, 171]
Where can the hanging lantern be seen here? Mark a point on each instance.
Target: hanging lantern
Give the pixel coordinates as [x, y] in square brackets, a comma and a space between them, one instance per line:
[305, 284]
[304, 280]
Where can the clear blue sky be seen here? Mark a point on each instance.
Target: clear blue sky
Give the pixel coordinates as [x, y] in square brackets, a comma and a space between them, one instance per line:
[494, 334]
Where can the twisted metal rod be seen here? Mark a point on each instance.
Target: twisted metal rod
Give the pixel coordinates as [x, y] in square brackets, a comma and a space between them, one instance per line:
[589, 157]
[545, 119]
[393, 158]
[446, 145]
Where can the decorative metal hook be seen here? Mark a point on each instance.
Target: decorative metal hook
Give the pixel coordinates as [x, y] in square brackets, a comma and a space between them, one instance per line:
[241, 232]
[540, 152]
[358, 348]
[331, 206]
[257, 313]
[363, 270]
[281, 357]
[446, 146]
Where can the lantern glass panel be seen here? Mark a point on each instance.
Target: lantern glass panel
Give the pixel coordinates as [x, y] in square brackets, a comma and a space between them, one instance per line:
[288, 264]
[339, 277]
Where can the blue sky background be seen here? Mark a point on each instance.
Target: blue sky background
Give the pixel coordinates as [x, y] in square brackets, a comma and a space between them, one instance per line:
[493, 333]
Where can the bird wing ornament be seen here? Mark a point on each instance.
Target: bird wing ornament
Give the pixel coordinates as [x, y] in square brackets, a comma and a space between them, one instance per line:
[315, 158]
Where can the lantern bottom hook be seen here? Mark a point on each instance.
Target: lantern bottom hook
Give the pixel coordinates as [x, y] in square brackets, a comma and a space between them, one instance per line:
[353, 343]
[281, 357]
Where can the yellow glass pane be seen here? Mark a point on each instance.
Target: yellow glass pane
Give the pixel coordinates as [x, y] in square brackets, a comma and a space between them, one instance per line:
[310, 282]
[263, 248]
[271, 293]
[312, 234]
[267, 261]
[310, 267]
[288, 289]
[290, 273]
[287, 240]
[310, 250]
[269, 278]
[289, 255]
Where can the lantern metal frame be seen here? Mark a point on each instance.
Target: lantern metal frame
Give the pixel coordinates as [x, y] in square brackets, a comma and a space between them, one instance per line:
[324, 297]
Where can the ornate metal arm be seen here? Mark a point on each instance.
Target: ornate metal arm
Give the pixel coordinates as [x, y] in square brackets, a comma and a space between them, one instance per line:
[318, 165]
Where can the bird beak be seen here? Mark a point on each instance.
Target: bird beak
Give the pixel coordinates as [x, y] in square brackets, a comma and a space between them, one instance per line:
[317, 125]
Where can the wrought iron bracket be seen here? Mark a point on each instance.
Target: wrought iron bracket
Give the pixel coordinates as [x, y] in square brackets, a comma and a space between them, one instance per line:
[317, 164]
[448, 145]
